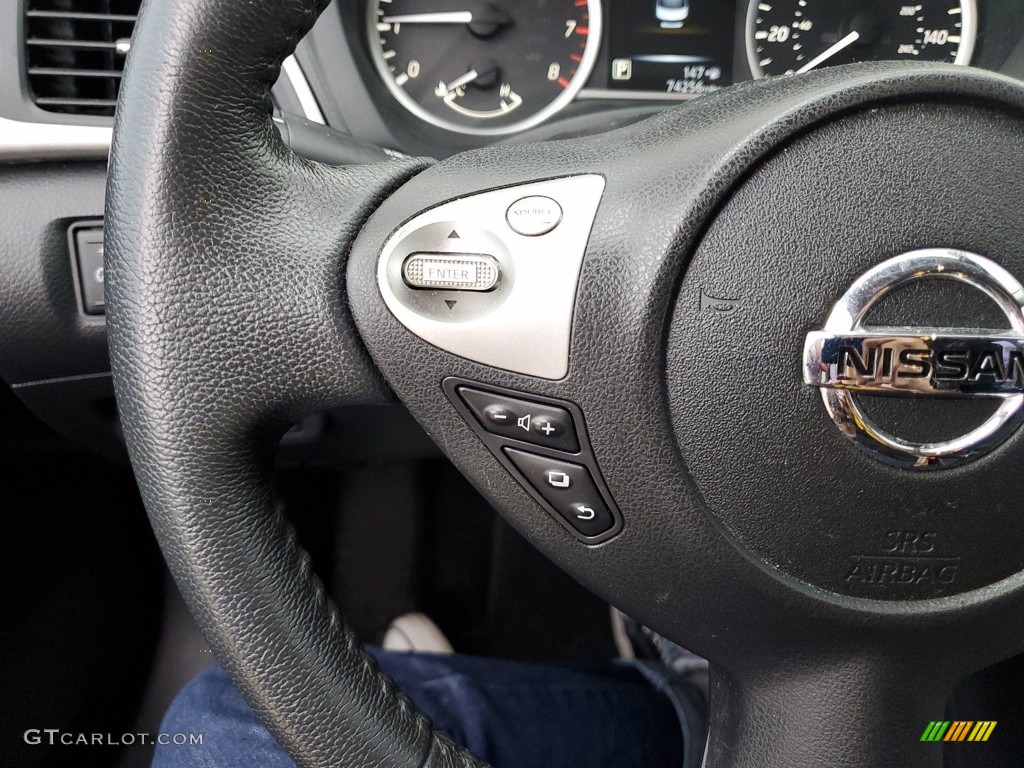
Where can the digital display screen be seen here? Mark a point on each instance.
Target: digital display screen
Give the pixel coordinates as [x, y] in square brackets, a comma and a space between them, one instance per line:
[678, 47]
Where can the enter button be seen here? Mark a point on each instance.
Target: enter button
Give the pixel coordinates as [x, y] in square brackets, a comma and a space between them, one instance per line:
[451, 271]
[533, 216]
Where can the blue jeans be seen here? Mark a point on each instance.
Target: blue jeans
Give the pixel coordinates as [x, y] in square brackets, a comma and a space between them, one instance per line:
[513, 715]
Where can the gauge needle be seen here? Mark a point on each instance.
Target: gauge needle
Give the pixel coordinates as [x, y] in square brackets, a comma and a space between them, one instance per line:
[443, 90]
[466, 79]
[846, 42]
[454, 17]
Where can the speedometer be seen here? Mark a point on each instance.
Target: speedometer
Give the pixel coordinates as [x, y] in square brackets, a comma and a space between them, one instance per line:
[484, 68]
[794, 36]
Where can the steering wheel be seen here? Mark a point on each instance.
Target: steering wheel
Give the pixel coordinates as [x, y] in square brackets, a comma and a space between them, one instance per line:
[714, 365]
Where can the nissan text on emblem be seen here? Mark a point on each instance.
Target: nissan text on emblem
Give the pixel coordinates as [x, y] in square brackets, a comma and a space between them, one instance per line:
[847, 358]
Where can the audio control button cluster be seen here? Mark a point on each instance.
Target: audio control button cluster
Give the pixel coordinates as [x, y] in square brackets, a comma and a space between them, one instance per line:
[530, 422]
[492, 277]
[543, 443]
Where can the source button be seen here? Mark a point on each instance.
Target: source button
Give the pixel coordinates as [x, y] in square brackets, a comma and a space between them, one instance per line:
[534, 215]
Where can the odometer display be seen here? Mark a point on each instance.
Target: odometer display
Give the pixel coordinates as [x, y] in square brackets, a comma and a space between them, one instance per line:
[794, 36]
[484, 68]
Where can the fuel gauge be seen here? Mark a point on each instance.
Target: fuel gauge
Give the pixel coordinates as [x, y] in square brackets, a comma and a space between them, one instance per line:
[486, 68]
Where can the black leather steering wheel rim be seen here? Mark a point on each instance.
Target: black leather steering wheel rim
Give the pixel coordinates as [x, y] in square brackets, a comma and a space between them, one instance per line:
[224, 252]
[228, 320]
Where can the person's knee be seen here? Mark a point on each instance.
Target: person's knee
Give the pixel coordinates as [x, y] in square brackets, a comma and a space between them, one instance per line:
[218, 726]
[198, 699]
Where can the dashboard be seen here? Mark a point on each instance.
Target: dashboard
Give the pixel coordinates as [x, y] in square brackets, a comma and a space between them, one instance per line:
[447, 75]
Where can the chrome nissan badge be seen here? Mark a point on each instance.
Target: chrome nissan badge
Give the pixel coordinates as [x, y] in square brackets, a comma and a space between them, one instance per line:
[847, 358]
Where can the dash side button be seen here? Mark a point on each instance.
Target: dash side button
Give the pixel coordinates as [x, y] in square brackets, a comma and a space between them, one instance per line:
[89, 253]
[533, 216]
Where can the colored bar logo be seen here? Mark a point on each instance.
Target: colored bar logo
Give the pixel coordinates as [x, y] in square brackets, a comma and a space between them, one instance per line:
[959, 730]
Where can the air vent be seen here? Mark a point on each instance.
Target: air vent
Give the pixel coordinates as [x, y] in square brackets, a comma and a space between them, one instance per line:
[75, 51]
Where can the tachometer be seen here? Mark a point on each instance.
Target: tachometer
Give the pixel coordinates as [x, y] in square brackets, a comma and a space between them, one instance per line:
[484, 68]
[793, 36]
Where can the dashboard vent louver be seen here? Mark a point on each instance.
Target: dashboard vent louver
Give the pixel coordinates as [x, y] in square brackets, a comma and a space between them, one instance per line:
[75, 52]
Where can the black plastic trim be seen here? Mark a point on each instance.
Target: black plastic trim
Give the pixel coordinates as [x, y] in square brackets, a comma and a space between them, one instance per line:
[495, 443]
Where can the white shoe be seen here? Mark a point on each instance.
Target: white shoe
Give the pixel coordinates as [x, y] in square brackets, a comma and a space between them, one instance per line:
[416, 632]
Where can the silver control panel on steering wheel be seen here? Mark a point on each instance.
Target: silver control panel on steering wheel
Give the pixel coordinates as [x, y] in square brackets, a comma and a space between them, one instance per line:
[492, 277]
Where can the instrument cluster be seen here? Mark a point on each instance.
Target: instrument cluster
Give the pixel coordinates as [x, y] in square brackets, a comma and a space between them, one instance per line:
[495, 67]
